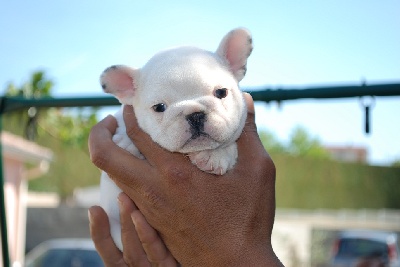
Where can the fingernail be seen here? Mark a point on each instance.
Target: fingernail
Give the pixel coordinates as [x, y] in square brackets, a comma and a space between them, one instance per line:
[120, 201]
[109, 117]
[134, 220]
[90, 216]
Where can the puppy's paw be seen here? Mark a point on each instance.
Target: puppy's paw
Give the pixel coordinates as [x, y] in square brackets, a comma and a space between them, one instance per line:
[115, 231]
[217, 161]
[123, 141]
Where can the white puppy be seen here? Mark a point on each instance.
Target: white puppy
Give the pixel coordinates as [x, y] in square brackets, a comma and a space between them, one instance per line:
[188, 101]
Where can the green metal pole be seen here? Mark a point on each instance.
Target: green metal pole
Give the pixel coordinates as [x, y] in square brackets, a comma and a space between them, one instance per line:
[264, 94]
[3, 222]
[326, 92]
[16, 103]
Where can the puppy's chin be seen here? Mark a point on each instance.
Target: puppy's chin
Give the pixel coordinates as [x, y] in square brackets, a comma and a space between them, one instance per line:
[199, 144]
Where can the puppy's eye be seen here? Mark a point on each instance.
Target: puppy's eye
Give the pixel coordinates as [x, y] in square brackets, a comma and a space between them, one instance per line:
[161, 107]
[221, 93]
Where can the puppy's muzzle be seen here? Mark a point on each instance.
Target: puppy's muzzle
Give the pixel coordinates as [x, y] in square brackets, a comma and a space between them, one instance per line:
[196, 122]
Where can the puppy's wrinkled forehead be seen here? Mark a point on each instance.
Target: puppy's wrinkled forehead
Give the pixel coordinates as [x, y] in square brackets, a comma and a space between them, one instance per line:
[185, 67]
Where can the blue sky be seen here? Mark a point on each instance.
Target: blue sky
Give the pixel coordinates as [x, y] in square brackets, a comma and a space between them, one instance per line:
[297, 43]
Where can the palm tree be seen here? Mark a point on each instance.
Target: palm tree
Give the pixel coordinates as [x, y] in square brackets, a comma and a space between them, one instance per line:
[38, 86]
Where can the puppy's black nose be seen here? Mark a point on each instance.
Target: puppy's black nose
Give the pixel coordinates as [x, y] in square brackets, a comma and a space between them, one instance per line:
[196, 121]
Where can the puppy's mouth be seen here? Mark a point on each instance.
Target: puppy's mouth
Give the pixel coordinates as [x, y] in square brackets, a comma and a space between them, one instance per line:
[198, 136]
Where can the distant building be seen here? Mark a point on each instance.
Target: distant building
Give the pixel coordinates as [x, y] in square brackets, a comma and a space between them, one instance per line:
[348, 153]
[22, 160]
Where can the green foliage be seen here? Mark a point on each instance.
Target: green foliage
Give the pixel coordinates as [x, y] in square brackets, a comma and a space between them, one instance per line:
[38, 86]
[23, 122]
[301, 143]
[271, 143]
[71, 168]
[308, 183]
[396, 163]
[71, 127]
[308, 179]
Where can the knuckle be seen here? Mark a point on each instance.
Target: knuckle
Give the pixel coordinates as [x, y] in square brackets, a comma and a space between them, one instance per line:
[265, 161]
[260, 163]
[267, 166]
[132, 131]
[97, 152]
[126, 229]
[153, 196]
[250, 127]
[174, 173]
[271, 166]
[97, 157]
[141, 261]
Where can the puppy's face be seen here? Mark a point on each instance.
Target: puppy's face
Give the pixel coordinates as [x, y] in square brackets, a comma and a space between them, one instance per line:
[187, 99]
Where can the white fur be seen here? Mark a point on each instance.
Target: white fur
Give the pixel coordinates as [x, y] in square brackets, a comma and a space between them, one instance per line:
[185, 80]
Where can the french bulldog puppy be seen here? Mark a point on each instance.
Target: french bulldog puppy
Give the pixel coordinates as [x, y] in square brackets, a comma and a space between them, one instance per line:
[188, 101]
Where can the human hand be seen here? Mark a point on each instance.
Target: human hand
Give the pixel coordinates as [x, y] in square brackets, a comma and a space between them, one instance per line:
[204, 219]
[142, 245]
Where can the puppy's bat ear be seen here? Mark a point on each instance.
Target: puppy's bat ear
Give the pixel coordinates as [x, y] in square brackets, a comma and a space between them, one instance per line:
[120, 81]
[235, 48]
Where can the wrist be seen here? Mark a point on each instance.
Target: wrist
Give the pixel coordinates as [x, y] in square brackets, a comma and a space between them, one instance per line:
[259, 256]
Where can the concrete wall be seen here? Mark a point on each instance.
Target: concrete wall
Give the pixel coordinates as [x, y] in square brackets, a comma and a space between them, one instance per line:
[63, 221]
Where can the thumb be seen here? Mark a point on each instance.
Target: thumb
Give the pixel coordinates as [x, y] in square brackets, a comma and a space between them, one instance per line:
[249, 143]
[250, 125]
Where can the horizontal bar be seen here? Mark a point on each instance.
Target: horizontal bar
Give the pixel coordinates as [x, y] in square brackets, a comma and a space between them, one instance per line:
[8, 104]
[327, 92]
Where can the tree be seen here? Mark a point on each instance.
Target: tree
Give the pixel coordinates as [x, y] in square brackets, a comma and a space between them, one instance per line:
[37, 86]
[271, 143]
[395, 163]
[70, 126]
[301, 143]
